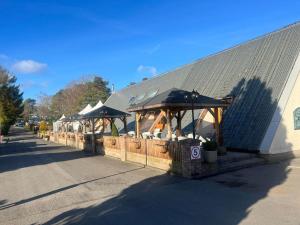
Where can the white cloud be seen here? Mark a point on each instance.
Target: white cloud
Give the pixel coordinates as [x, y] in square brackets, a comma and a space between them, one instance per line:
[152, 50]
[147, 70]
[28, 66]
[4, 57]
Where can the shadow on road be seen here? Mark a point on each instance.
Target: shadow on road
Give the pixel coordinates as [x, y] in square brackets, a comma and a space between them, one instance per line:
[3, 204]
[167, 200]
[24, 150]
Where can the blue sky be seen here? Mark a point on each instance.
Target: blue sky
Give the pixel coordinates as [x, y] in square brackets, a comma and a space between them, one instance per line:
[47, 44]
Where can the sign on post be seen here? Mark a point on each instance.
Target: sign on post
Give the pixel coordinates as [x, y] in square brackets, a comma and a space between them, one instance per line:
[195, 152]
[297, 119]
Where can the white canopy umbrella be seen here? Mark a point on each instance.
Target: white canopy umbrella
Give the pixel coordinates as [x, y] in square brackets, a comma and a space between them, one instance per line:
[87, 109]
[57, 124]
[97, 106]
[62, 117]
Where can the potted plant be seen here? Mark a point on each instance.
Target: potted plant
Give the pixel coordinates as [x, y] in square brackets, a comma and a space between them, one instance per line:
[113, 141]
[46, 137]
[210, 151]
[164, 146]
[137, 143]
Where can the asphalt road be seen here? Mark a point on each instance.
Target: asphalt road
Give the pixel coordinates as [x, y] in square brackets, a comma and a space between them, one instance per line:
[43, 183]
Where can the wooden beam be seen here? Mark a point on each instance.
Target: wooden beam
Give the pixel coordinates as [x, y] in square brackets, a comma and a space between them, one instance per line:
[183, 114]
[156, 121]
[211, 112]
[201, 118]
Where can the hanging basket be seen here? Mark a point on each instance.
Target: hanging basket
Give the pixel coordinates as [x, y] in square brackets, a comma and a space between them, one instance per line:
[113, 141]
[100, 140]
[137, 144]
[164, 147]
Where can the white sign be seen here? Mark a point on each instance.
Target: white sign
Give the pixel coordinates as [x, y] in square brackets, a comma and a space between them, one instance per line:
[195, 152]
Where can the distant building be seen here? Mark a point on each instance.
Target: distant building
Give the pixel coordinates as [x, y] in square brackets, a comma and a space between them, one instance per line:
[263, 77]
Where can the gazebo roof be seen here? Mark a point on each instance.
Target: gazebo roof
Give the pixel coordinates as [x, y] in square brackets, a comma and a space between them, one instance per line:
[86, 109]
[71, 118]
[175, 99]
[105, 112]
[98, 105]
[62, 117]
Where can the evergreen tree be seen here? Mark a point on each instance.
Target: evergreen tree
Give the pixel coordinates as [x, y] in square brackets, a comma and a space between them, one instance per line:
[96, 90]
[114, 130]
[11, 106]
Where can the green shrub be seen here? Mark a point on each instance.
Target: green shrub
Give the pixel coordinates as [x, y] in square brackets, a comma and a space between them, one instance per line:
[5, 128]
[114, 130]
[210, 145]
[43, 127]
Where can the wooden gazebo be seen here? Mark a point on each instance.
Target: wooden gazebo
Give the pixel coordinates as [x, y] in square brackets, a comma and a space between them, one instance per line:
[175, 103]
[105, 112]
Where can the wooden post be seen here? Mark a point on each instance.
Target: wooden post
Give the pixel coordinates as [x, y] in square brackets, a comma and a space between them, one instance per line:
[111, 120]
[93, 136]
[110, 123]
[125, 124]
[103, 125]
[220, 113]
[137, 124]
[169, 124]
[217, 124]
[178, 128]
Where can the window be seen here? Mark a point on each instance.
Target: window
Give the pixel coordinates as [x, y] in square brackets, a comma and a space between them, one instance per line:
[152, 93]
[132, 100]
[297, 119]
[140, 97]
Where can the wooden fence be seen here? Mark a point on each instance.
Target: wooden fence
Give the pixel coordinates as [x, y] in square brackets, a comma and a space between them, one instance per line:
[162, 154]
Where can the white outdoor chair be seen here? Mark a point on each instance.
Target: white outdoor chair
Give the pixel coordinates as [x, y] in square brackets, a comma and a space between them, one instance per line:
[180, 138]
[131, 133]
[190, 135]
[146, 135]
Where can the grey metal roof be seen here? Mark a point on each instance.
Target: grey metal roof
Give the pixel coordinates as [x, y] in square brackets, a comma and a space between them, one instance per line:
[254, 72]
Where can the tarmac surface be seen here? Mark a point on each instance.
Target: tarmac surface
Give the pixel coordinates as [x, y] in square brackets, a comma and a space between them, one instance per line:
[46, 183]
